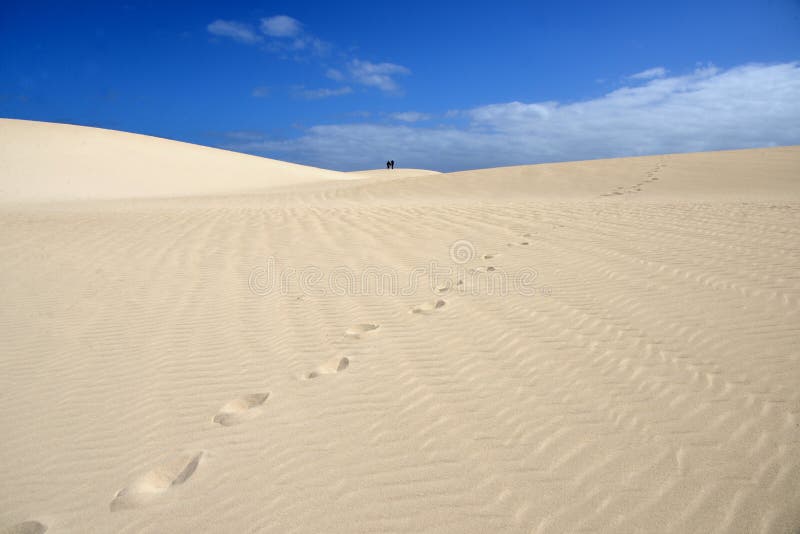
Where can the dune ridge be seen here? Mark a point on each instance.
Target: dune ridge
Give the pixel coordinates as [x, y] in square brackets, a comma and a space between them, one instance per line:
[42, 161]
[580, 360]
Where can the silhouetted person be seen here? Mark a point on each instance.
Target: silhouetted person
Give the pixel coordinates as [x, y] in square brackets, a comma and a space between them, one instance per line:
[392, 162]
[388, 164]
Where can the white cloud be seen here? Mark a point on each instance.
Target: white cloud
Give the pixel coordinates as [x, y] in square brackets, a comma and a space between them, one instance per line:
[708, 109]
[335, 74]
[261, 91]
[287, 35]
[315, 94]
[312, 44]
[655, 72]
[281, 26]
[410, 116]
[287, 38]
[380, 75]
[235, 30]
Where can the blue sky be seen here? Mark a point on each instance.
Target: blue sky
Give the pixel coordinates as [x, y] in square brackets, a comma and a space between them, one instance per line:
[441, 85]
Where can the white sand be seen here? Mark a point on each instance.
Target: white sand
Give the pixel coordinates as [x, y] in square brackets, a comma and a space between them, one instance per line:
[151, 383]
[46, 161]
[393, 173]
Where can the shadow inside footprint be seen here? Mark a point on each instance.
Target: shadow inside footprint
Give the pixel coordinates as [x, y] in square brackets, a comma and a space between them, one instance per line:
[359, 329]
[27, 527]
[334, 365]
[159, 480]
[428, 307]
[241, 409]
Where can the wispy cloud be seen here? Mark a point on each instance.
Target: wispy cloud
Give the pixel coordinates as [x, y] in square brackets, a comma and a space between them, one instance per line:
[707, 109]
[380, 75]
[234, 30]
[290, 39]
[283, 34]
[410, 116]
[287, 34]
[261, 91]
[655, 72]
[335, 74]
[281, 26]
[316, 94]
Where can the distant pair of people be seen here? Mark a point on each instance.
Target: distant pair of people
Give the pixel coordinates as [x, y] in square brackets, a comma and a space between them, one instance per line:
[390, 164]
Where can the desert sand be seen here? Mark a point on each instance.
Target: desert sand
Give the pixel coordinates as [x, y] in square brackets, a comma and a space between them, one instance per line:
[597, 346]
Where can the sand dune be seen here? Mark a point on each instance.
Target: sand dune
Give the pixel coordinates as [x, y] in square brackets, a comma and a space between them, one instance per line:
[44, 161]
[393, 173]
[507, 350]
[770, 173]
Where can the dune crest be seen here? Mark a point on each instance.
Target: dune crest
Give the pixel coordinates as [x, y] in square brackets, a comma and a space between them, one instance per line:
[42, 161]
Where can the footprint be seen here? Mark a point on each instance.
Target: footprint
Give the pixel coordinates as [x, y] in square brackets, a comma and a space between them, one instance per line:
[490, 256]
[158, 481]
[27, 527]
[524, 243]
[333, 365]
[241, 409]
[442, 288]
[428, 307]
[359, 329]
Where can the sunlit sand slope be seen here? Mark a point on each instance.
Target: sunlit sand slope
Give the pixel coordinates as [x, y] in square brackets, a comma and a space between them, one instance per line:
[393, 173]
[731, 175]
[307, 361]
[48, 161]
